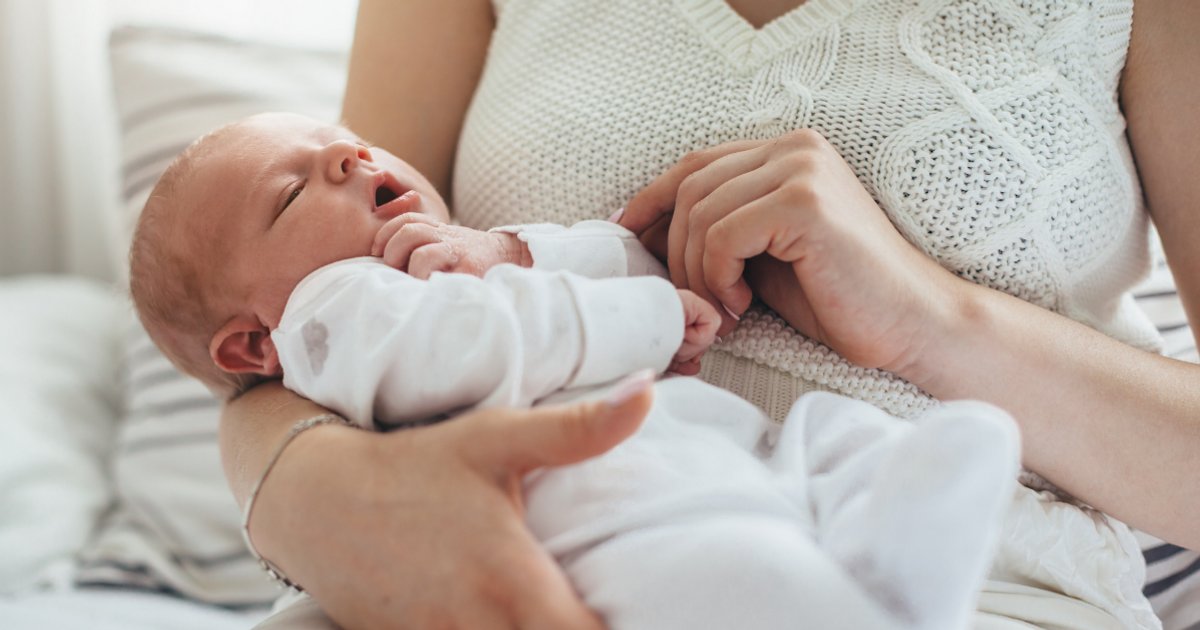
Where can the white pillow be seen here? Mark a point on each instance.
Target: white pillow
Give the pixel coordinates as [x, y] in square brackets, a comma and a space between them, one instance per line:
[176, 527]
[58, 382]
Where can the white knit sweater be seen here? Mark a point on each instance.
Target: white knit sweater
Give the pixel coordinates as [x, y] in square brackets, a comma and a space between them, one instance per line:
[988, 130]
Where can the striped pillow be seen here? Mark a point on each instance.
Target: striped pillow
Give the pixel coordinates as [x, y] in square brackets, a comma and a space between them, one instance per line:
[175, 528]
[1172, 573]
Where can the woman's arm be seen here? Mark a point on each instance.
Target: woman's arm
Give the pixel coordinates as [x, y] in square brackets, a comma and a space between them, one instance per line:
[1118, 427]
[419, 528]
[1160, 95]
[414, 66]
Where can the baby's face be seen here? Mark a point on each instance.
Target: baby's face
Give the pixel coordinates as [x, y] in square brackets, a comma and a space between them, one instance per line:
[292, 195]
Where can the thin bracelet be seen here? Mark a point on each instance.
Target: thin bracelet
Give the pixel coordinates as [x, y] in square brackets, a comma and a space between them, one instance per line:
[297, 429]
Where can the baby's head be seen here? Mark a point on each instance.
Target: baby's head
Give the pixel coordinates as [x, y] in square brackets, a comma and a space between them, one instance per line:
[239, 218]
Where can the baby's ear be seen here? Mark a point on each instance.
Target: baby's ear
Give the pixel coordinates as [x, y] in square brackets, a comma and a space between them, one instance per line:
[244, 344]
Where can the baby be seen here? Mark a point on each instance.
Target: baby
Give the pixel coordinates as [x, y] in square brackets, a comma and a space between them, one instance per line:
[279, 246]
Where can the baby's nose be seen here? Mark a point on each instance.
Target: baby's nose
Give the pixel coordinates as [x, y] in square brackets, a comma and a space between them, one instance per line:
[341, 158]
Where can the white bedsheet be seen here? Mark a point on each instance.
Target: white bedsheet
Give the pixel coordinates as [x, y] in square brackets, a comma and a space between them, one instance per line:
[117, 610]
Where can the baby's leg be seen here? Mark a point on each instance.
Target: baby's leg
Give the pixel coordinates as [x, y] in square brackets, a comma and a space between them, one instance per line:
[911, 511]
[682, 527]
[744, 571]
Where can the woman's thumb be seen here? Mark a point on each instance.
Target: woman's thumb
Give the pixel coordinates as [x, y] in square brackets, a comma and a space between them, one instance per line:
[556, 435]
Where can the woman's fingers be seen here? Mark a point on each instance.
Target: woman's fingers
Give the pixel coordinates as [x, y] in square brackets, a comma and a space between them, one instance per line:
[485, 614]
[725, 163]
[515, 442]
[658, 198]
[677, 236]
[654, 238]
[733, 192]
[547, 601]
[757, 228]
[696, 192]
[503, 445]
[702, 183]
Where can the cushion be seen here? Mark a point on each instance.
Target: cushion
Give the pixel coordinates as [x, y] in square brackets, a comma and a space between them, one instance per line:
[58, 377]
[1172, 573]
[176, 527]
[1156, 295]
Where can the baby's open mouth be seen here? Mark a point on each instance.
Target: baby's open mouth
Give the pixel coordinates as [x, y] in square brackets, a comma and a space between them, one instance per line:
[394, 198]
[384, 194]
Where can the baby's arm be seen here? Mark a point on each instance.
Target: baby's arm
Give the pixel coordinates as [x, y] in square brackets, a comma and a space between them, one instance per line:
[420, 245]
[600, 249]
[371, 342]
[596, 249]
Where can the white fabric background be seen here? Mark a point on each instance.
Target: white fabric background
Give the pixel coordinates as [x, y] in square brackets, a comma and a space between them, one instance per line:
[56, 171]
[58, 147]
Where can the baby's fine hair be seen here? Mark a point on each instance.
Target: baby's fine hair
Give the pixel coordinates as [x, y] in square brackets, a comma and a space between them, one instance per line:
[172, 289]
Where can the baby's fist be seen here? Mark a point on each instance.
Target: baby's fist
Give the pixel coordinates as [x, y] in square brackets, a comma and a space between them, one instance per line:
[700, 323]
[420, 245]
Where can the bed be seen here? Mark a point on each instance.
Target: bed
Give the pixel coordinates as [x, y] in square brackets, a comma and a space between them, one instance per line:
[113, 510]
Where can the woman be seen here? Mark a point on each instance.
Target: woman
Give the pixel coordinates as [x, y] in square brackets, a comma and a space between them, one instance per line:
[582, 104]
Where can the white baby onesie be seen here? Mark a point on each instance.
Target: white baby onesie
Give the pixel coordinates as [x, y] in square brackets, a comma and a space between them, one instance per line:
[705, 518]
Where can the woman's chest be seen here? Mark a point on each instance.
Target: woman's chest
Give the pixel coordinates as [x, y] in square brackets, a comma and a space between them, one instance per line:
[980, 127]
[761, 12]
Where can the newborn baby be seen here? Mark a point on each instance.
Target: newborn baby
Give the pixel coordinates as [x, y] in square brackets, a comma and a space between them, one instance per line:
[282, 247]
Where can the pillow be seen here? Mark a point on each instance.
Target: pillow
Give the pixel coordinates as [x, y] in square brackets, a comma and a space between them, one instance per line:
[58, 381]
[1156, 295]
[176, 527]
[1172, 573]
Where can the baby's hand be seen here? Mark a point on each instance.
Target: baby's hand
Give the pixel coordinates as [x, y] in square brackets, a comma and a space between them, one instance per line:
[700, 323]
[420, 245]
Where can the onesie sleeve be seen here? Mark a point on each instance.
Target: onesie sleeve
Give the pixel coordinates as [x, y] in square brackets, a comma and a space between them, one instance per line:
[375, 344]
[595, 249]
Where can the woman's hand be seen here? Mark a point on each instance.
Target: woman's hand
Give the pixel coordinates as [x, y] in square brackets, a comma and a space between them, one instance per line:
[835, 267]
[423, 528]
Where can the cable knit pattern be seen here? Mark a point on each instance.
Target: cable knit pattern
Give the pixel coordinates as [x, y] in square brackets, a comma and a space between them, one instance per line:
[988, 130]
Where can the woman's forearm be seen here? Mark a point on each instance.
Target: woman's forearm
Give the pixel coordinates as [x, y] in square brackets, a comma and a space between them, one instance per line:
[1116, 426]
[428, 519]
[252, 426]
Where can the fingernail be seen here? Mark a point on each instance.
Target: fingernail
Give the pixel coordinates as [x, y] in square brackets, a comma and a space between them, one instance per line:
[629, 387]
[616, 216]
[735, 316]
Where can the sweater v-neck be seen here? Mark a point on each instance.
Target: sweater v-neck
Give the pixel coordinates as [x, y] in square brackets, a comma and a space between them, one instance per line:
[746, 47]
